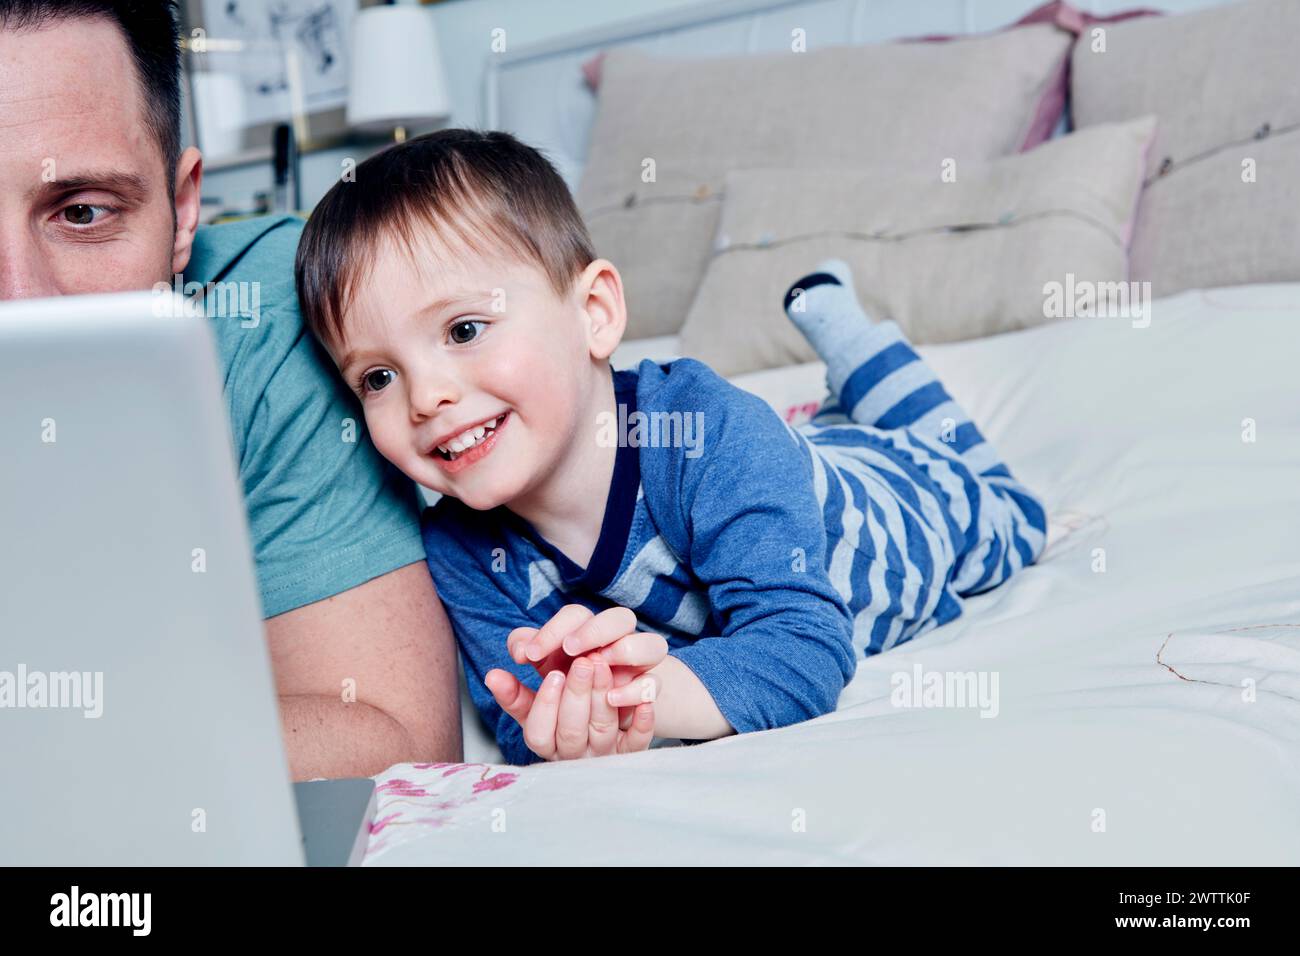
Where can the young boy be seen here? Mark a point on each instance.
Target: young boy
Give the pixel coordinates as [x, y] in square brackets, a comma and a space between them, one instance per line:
[657, 544]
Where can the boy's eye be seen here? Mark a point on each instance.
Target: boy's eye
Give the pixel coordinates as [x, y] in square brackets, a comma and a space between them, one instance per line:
[466, 331]
[376, 380]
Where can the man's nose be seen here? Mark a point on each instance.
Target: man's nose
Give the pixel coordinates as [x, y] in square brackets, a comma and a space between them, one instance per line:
[24, 272]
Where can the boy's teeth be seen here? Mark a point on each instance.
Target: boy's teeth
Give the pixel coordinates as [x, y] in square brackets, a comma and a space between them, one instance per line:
[469, 438]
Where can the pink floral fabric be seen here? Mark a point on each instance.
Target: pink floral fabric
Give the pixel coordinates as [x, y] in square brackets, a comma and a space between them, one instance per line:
[418, 800]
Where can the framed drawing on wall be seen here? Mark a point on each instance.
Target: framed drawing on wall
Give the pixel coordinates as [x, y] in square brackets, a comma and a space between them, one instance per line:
[253, 64]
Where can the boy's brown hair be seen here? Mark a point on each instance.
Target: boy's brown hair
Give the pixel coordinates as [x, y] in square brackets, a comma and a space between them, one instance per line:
[484, 189]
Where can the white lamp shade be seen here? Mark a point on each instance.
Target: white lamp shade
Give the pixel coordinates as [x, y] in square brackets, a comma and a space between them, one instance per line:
[397, 77]
[219, 111]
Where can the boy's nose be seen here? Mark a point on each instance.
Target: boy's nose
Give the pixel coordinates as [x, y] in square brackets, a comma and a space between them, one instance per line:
[431, 395]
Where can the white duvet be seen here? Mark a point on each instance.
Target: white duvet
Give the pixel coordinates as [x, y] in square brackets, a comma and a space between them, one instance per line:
[1147, 668]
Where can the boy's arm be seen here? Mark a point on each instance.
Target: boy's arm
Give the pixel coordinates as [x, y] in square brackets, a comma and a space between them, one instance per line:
[756, 540]
[684, 708]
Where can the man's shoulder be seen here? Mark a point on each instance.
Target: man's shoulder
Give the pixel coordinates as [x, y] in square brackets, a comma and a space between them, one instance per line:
[260, 249]
[326, 513]
[246, 271]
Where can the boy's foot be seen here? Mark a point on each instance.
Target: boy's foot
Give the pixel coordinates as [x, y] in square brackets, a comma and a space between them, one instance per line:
[825, 308]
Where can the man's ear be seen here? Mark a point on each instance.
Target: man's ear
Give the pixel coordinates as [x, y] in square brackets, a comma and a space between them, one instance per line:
[189, 179]
[600, 296]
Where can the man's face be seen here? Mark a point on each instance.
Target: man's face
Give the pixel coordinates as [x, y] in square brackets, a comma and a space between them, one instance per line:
[84, 205]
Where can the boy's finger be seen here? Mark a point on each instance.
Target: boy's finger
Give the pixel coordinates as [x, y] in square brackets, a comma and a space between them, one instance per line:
[621, 676]
[556, 660]
[642, 731]
[635, 650]
[644, 689]
[539, 727]
[603, 628]
[515, 642]
[571, 729]
[603, 728]
[510, 693]
[555, 630]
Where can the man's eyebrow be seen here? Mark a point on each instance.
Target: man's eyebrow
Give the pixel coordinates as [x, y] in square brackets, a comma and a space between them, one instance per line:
[128, 185]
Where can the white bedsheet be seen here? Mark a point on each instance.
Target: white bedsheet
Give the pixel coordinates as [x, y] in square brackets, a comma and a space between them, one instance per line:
[1146, 714]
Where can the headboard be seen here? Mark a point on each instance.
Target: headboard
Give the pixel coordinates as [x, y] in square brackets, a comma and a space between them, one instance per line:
[538, 93]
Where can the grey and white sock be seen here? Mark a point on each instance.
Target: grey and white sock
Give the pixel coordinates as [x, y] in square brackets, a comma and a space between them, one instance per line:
[824, 307]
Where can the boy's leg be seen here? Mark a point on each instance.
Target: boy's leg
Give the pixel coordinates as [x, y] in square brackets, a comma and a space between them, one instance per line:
[876, 375]
[998, 525]
[830, 412]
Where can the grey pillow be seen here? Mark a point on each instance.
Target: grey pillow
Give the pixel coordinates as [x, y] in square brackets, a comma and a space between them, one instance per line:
[1217, 79]
[946, 260]
[907, 105]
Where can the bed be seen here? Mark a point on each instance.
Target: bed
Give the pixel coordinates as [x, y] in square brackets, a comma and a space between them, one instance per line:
[1133, 697]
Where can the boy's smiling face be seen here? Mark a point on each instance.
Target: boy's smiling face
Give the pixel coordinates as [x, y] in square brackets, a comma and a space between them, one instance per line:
[482, 358]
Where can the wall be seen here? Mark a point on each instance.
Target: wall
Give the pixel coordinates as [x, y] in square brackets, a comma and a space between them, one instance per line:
[464, 36]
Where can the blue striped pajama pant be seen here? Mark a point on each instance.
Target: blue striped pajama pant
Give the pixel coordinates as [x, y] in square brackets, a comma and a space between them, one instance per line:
[919, 509]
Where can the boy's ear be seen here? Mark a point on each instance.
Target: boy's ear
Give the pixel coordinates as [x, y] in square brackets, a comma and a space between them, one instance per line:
[600, 296]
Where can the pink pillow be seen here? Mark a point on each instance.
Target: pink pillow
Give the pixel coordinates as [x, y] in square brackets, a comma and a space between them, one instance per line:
[1057, 12]
[591, 71]
[1065, 17]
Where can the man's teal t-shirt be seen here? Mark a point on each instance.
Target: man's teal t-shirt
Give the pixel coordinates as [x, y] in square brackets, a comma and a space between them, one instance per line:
[325, 510]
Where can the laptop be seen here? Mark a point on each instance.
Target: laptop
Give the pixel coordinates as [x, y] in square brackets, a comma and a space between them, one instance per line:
[138, 714]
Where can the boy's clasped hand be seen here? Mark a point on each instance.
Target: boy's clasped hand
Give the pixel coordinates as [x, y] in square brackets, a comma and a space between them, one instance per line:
[598, 687]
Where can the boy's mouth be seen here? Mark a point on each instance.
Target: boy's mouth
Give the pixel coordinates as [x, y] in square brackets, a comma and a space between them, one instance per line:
[470, 445]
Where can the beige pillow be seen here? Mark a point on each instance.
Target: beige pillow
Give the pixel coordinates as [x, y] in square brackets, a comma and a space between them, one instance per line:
[908, 105]
[1215, 79]
[946, 260]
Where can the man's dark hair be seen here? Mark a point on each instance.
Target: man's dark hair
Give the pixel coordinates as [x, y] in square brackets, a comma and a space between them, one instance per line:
[149, 28]
[483, 190]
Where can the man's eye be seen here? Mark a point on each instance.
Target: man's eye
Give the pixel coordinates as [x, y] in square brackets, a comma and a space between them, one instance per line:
[81, 214]
[377, 380]
[466, 331]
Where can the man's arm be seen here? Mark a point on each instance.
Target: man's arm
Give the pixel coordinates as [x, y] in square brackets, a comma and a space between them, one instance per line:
[367, 678]
[363, 656]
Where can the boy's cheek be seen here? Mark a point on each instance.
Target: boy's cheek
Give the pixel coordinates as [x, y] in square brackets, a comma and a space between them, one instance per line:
[524, 360]
[387, 437]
